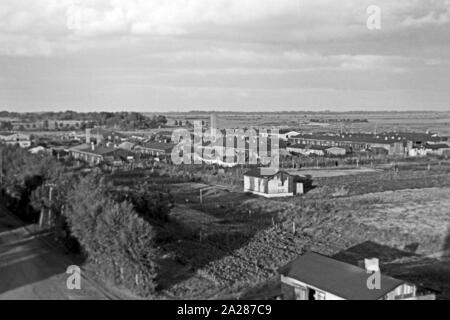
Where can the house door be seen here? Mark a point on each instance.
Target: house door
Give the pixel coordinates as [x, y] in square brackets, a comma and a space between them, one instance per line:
[301, 293]
[299, 188]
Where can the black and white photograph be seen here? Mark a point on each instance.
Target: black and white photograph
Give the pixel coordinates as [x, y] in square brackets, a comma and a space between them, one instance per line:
[220, 157]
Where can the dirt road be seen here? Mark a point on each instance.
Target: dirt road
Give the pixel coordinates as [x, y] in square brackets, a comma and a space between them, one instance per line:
[30, 269]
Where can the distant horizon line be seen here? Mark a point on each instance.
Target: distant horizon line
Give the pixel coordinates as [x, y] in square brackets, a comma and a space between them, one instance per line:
[233, 111]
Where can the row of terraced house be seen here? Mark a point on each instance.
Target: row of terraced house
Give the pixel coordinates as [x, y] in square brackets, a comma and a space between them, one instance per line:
[392, 143]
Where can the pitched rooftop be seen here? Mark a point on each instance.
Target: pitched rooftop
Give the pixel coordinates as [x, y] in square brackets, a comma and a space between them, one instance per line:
[383, 138]
[339, 278]
[263, 172]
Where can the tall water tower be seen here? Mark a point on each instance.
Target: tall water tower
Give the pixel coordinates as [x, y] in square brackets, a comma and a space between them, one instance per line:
[213, 124]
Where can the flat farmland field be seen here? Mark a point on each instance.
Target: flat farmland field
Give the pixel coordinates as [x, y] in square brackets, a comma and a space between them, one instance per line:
[420, 211]
[221, 241]
[438, 122]
[320, 173]
[408, 230]
[402, 217]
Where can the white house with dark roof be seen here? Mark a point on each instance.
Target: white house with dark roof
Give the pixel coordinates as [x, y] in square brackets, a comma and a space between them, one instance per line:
[307, 150]
[286, 134]
[440, 149]
[94, 155]
[91, 154]
[336, 151]
[271, 183]
[156, 149]
[317, 150]
[12, 138]
[313, 276]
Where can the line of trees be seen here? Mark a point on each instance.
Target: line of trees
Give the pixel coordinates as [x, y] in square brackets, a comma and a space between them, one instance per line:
[115, 237]
[122, 120]
[86, 215]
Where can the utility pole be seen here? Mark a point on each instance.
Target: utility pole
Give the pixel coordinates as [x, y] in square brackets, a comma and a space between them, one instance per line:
[1, 166]
[50, 204]
[44, 219]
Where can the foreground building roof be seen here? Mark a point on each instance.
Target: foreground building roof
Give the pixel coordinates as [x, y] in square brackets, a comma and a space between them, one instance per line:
[339, 278]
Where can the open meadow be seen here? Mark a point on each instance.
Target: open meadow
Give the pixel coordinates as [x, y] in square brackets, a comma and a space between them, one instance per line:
[438, 122]
[232, 241]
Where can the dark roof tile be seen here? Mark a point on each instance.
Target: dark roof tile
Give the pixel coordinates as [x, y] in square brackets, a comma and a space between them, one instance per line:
[339, 278]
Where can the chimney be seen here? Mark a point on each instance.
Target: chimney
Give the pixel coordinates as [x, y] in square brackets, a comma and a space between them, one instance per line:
[88, 136]
[372, 265]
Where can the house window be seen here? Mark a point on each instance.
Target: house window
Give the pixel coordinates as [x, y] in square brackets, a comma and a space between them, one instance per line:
[404, 292]
[301, 293]
[320, 295]
[408, 289]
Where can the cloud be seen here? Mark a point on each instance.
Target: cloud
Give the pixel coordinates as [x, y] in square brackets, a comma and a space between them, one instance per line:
[75, 21]
[432, 18]
[158, 17]
[114, 50]
[223, 61]
[426, 13]
[69, 24]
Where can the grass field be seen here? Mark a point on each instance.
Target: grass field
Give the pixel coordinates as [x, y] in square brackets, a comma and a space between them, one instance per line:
[381, 121]
[320, 173]
[419, 212]
[232, 244]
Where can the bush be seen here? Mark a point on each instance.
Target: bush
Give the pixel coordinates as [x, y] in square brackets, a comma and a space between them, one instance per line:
[114, 237]
[111, 233]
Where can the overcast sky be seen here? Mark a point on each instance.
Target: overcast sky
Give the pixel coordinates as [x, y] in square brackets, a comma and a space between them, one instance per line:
[243, 55]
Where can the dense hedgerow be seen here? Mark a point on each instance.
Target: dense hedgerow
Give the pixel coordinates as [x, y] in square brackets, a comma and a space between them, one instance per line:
[110, 231]
[113, 235]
